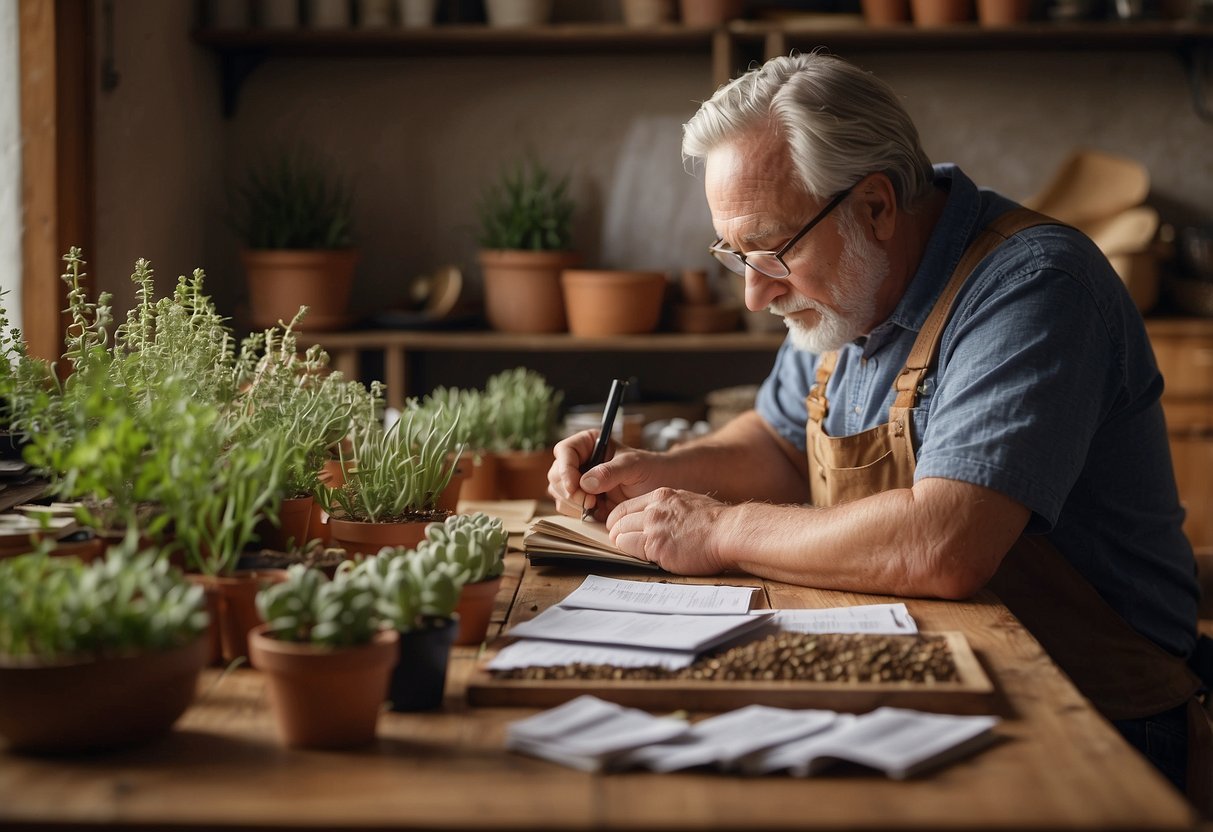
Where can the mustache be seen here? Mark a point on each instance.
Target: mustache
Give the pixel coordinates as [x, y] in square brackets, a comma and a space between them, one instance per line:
[786, 305]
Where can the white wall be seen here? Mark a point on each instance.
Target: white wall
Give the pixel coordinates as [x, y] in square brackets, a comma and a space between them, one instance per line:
[10, 163]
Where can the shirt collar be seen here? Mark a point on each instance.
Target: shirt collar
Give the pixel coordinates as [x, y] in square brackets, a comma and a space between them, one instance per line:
[946, 245]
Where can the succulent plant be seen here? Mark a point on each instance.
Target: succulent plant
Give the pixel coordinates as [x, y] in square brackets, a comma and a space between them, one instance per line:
[411, 586]
[116, 605]
[526, 410]
[308, 607]
[470, 547]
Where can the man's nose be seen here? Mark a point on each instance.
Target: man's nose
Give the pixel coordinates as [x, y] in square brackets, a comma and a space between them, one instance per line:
[760, 290]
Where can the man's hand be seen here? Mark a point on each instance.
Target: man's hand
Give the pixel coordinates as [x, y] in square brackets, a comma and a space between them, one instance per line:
[677, 530]
[627, 472]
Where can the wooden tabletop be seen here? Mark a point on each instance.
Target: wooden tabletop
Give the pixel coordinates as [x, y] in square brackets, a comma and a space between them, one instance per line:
[1058, 764]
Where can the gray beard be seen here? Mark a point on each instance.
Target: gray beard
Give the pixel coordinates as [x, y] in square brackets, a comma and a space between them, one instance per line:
[862, 270]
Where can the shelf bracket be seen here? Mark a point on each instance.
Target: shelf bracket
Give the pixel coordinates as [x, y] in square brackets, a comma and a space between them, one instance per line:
[1198, 62]
[234, 69]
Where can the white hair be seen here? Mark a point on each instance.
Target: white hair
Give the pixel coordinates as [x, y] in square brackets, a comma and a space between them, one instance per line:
[840, 124]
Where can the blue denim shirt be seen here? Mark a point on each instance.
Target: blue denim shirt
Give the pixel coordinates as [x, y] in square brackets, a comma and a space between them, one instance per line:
[1046, 390]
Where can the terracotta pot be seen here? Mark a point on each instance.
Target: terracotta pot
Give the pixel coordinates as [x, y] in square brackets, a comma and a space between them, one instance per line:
[523, 475]
[358, 538]
[522, 289]
[419, 679]
[941, 12]
[293, 530]
[1003, 12]
[475, 610]
[75, 706]
[606, 302]
[282, 281]
[886, 12]
[232, 603]
[709, 12]
[448, 500]
[647, 12]
[325, 697]
[481, 483]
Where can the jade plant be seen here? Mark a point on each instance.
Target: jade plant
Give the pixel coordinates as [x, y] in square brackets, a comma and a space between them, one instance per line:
[124, 603]
[526, 407]
[469, 547]
[526, 208]
[397, 473]
[310, 608]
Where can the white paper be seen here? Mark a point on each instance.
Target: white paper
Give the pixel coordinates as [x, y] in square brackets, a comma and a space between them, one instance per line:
[599, 593]
[722, 740]
[875, 619]
[587, 733]
[542, 653]
[636, 629]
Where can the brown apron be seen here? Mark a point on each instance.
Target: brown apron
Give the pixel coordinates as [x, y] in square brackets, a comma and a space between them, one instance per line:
[1124, 674]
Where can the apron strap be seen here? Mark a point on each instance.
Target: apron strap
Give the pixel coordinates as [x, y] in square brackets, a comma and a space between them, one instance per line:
[926, 346]
[816, 402]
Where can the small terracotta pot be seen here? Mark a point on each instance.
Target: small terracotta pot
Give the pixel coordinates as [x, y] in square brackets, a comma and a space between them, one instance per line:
[294, 526]
[522, 289]
[282, 281]
[481, 483]
[941, 12]
[886, 12]
[709, 12]
[523, 475]
[1003, 12]
[325, 697]
[82, 705]
[448, 500]
[475, 610]
[232, 603]
[608, 302]
[419, 679]
[358, 538]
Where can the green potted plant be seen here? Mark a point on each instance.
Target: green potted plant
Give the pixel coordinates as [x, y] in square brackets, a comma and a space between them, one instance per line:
[471, 550]
[417, 595]
[526, 240]
[294, 220]
[474, 413]
[326, 655]
[95, 656]
[392, 484]
[527, 407]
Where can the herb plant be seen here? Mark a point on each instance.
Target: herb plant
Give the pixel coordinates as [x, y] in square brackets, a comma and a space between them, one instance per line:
[290, 201]
[123, 603]
[526, 406]
[527, 208]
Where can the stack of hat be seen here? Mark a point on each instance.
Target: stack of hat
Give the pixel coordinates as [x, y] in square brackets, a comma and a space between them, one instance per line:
[1103, 196]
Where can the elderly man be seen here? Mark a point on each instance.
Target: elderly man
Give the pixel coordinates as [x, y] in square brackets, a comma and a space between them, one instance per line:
[966, 397]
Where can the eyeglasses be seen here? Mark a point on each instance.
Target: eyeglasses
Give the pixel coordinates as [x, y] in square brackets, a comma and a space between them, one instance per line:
[769, 263]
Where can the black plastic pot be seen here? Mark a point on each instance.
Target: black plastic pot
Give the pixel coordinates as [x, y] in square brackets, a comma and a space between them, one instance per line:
[419, 678]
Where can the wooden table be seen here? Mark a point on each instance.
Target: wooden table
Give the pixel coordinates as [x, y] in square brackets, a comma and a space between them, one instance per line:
[1059, 764]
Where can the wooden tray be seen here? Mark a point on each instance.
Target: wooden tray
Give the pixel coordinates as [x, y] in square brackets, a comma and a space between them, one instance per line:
[972, 694]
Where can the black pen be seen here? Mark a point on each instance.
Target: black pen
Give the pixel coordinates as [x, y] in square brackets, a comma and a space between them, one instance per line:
[604, 432]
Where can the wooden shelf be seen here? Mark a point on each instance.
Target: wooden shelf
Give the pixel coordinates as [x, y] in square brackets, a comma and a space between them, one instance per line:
[480, 341]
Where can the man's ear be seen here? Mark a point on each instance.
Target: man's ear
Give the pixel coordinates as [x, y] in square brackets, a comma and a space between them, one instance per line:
[877, 204]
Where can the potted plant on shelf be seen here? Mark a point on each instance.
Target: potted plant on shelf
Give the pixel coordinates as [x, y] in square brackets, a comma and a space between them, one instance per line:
[326, 656]
[294, 221]
[95, 656]
[471, 549]
[392, 484]
[417, 596]
[525, 240]
[527, 407]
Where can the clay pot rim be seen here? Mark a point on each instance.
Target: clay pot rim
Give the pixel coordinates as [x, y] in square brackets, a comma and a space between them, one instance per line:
[616, 275]
[35, 663]
[279, 651]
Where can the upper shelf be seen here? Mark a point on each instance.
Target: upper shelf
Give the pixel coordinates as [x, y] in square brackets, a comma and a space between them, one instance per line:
[241, 50]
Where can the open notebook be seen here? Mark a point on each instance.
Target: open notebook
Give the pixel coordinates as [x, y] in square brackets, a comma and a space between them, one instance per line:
[569, 538]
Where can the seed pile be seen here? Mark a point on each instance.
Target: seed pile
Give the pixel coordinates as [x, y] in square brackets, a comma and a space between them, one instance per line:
[830, 657]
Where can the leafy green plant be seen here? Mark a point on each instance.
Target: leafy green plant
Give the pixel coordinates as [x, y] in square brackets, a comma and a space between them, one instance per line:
[526, 407]
[473, 414]
[308, 607]
[119, 604]
[397, 473]
[526, 208]
[471, 547]
[290, 201]
[411, 587]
